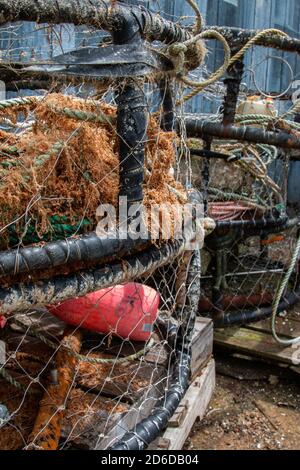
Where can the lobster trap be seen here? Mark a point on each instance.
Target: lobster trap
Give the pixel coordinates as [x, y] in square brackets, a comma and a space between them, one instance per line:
[250, 261]
[98, 329]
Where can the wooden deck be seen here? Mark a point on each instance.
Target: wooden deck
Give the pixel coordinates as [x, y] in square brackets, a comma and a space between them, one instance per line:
[256, 340]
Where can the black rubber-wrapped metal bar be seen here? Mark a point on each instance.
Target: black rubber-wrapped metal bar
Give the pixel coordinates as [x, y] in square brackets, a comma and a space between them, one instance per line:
[131, 121]
[131, 129]
[243, 317]
[233, 80]
[150, 428]
[88, 248]
[208, 154]
[199, 128]
[168, 114]
[22, 297]
[101, 14]
[92, 248]
[269, 223]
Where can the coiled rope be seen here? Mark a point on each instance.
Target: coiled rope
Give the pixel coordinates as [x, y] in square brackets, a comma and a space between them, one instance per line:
[248, 119]
[199, 19]
[180, 50]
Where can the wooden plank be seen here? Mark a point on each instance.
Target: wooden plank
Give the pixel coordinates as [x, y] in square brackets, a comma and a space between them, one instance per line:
[288, 327]
[179, 416]
[196, 402]
[254, 343]
[202, 344]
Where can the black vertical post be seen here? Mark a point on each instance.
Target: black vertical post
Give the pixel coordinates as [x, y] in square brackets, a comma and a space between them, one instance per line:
[131, 128]
[168, 115]
[206, 175]
[233, 82]
[131, 120]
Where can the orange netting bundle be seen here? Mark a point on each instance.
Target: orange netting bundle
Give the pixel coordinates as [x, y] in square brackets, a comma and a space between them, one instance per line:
[64, 163]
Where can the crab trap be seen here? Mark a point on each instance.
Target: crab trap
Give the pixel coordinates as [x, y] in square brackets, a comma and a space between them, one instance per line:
[97, 325]
[242, 166]
[113, 209]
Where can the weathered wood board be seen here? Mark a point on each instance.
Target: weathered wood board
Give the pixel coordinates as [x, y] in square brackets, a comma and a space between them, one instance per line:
[257, 340]
[193, 407]
[202, 345]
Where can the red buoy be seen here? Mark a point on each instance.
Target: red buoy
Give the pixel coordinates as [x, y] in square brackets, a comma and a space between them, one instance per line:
[127, 311]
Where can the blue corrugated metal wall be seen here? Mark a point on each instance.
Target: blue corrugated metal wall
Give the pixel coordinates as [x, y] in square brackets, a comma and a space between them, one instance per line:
[271, 75]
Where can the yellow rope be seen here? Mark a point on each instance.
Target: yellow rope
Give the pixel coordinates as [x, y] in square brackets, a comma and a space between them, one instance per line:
[180, 49]
[199, 20]
[209, 34]
[254, 40]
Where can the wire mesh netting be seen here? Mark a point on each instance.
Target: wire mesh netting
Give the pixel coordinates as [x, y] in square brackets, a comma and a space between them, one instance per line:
[245, 258]
[66, 387]
[126, 357]
[86, 390]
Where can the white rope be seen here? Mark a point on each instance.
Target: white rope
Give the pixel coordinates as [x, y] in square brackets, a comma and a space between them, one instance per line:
[285, 342]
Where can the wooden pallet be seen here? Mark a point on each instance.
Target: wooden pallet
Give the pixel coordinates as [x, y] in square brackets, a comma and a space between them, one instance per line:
[257, 340]
[195, 403]
[192, 408]
[109, 417]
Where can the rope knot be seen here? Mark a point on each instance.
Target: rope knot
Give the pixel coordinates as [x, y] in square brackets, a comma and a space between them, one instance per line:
[177, 49]
[178, 52]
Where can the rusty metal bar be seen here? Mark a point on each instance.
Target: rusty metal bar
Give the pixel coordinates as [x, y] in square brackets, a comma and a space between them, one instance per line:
[47, 428]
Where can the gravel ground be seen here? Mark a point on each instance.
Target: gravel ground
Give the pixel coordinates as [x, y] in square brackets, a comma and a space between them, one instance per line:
[255, 406]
